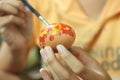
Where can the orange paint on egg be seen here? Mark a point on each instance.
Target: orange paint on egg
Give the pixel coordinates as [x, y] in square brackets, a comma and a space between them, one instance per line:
[55, 29]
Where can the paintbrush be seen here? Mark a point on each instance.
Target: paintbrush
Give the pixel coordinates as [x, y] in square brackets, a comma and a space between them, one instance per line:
[35, 12]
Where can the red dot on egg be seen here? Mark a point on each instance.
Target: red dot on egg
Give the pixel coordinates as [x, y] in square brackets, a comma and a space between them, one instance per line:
[57, 33]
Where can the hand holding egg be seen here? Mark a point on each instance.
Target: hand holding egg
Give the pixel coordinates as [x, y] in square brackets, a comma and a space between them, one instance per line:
[57, 33]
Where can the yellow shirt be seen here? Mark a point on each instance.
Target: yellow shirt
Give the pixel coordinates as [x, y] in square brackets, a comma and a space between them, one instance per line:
[100, 38]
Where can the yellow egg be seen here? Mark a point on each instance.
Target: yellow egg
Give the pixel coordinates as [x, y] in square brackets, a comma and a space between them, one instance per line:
[57, 33]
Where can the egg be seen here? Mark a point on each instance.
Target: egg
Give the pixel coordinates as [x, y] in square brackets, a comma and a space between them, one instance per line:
[57, 33]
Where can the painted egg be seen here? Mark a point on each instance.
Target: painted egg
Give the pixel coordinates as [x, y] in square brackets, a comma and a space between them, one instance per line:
[57, 33]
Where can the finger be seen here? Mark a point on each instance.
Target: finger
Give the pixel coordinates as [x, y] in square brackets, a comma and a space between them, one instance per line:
[16, 3]
[45, 74]
[7, 8]
[5, 20]
[89, 61]
[55, 77]
[13, 38]
[11, 6]
[85, 58]
[77, 66]
[71, 60]
[29, 23]
[51, 61]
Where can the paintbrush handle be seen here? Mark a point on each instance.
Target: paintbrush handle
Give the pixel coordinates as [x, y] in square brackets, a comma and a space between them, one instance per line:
[35, 12]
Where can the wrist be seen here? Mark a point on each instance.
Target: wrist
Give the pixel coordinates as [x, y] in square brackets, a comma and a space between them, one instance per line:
[14, 60]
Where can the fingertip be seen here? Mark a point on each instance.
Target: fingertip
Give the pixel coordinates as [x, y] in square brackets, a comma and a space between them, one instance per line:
[48, 49]
[62, 49]
[41, 70]
[59, 45]
[42, 50]
[26, 10]
[44, 74]
[42, 53]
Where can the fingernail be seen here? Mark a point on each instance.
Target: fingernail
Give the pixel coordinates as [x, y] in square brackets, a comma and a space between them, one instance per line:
[43, 74]
[42, 52]
[61, 48]
[48, 49]
[27, 10]
[49, 53]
